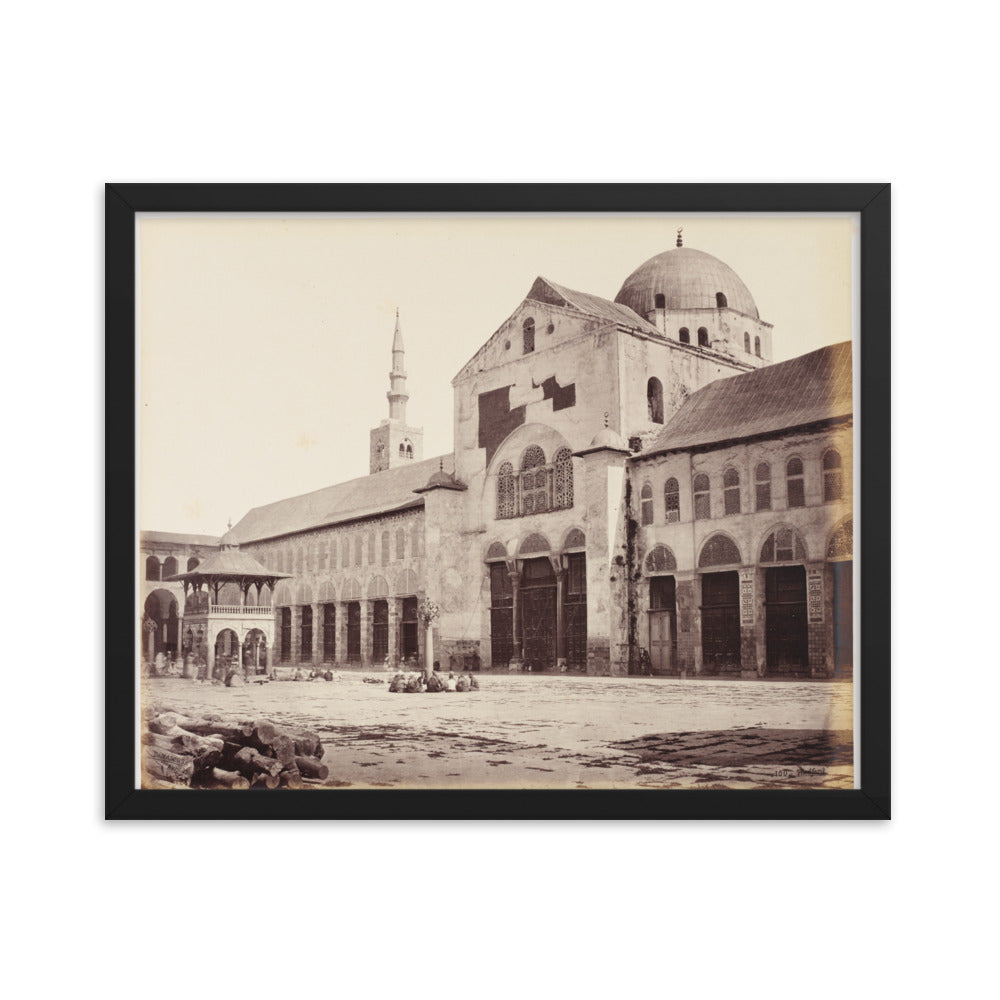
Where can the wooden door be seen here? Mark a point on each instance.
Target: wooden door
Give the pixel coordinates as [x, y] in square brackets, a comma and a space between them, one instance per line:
[660, 643]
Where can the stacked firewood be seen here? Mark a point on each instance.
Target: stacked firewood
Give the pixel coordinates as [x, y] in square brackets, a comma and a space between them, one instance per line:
[212, 751]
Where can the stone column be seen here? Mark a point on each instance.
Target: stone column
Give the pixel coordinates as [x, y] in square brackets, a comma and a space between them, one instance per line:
[317, 650]
[515, 586]
[296, 651]
[394, 614]
[560, 618]
[341, 631]
[429, 646]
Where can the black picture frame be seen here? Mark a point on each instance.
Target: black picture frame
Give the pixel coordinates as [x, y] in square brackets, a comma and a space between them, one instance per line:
[870, 801]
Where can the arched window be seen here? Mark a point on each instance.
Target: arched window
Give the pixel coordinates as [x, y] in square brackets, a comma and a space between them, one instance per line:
[386, 551]
[409, 450]
[654, 400]
[371, 550]
[731, 491]
[152, 568]
[762, 482]
[646, 505]
[528, 330]
[563, 470]
[400, 543]
[402, 450]
[358, 542]
[534, 481]
[719, 551]
[345, 555]
[505, 491]
[672, 500]
[720, 300]
[192, 564]
[795, 478]
[660, 560]
[415, 539]
[702, 498]
[660, 301]
[702, 337]
[782, 545]
[169, 567]
[833, 477]
[685, 335]
[756, 346]
[746, 342]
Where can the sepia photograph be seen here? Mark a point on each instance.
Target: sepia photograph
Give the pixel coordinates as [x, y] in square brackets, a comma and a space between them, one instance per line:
[583, 483]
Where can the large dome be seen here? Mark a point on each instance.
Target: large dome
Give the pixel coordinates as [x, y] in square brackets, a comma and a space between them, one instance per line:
[687, 279]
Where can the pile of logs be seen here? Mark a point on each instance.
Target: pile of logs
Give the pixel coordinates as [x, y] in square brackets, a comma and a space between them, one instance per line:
[212, 751]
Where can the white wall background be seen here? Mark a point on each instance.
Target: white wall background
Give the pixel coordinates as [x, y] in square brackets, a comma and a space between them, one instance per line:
[434, 91]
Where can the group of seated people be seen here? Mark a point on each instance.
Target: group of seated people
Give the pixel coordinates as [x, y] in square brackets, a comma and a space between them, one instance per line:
[410, 682]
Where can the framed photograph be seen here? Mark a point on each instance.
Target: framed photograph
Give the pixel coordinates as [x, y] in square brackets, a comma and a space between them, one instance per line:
[600, 473]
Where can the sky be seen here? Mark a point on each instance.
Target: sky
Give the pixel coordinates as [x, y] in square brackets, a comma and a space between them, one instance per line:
[264, 342]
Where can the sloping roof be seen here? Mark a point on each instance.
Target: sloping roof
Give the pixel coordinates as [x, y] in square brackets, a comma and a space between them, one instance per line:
[229, 562]
[592, 305]
[378, 493]
[177, 538]
[805, 390]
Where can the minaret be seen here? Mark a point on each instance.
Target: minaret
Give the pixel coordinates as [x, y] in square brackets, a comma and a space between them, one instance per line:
[393, 442]
[397, 394]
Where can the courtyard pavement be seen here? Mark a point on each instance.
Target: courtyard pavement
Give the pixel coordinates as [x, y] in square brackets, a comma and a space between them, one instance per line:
[554, 731]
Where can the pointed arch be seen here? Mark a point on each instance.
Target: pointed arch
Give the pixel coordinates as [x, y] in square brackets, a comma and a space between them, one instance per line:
[378, 586]
[534, 544]
[720, 550]
[407, 583]
[661, 559]
[783, 544]
[575, 540]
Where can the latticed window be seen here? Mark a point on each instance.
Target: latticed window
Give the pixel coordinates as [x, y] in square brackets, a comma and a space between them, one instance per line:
[528, 329]
[672, 500]
[537, 487]
[646, 504]
[833, 477]
[719, 551]
[702, 498]
[782, 545]
[534, 481]
[795, 477]
[563, 466]
[762, 482]
[731, 491]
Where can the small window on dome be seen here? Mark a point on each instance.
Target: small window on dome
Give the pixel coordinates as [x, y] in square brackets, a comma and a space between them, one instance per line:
[746, 342]
[702, 337]
[720, 300]
[660, 301]
[756, 346]
[685, 335]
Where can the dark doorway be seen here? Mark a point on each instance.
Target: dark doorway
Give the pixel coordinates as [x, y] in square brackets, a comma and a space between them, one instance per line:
[329, 633]
[843, 618]
[501, 615]
[380, 631]
[575, 610]
[662, 624]
[306, 649]
[720, 622]
[538, 616]
[409, 642]
[786, 628]
[354, 630]
[286, 634]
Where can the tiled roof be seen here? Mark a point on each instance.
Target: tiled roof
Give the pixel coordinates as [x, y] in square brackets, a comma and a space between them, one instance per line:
[229, 562]
[594, 305]
[378, 493]
[805, 390]
[177, 538]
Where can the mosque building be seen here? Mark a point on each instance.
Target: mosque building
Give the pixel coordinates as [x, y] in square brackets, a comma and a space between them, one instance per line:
[634, 488]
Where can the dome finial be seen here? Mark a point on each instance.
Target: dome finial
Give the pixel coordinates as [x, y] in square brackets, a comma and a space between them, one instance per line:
[680, 239]
[605, 418]
[441, 464]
